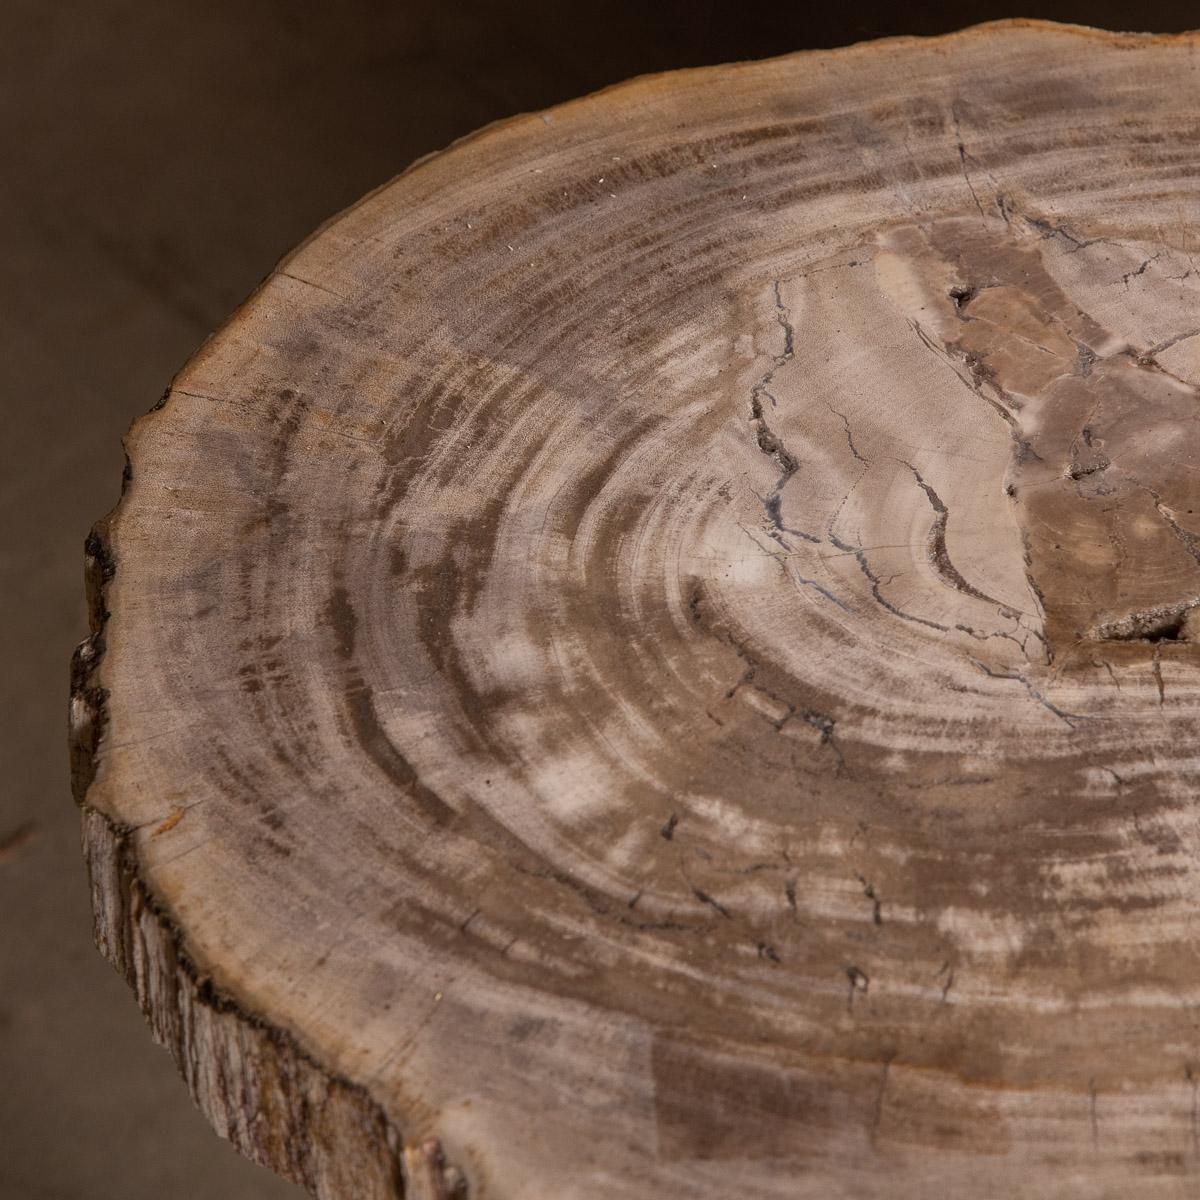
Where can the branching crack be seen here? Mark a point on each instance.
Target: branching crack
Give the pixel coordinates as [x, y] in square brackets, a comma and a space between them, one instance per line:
[861, 558]
[849, 436]
[979, 373]
[1050, 229]
[938, 552]
[1190, 540]
[768, 441]
[783, 556]
[962, 161]
[1141, 270]
[1067, 717]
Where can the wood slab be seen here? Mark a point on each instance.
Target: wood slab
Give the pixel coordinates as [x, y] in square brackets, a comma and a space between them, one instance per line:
[657, 655]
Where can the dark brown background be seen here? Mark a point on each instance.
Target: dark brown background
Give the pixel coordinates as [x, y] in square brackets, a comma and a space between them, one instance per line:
[158, 156]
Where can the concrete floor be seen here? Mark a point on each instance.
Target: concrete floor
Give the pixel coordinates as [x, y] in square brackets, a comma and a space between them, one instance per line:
[157, 159]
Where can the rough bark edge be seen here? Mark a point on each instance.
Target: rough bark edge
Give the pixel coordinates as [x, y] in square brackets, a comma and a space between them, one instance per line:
[257, 1087]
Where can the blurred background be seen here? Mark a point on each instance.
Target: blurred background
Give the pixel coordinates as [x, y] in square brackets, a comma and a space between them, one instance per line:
[157, 157]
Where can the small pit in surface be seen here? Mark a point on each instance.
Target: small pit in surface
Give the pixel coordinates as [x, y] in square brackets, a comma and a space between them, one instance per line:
[962, 295]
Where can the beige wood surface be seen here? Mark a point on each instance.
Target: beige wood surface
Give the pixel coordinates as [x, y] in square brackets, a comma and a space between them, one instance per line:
[656, 656]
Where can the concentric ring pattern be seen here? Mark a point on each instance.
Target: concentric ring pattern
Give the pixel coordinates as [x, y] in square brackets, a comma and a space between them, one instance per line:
[661, 644]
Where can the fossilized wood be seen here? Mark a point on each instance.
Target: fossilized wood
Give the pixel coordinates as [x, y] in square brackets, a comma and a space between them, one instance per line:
[657, 655]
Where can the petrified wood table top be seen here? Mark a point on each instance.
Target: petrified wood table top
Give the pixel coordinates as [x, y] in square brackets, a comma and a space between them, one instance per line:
[656, 655]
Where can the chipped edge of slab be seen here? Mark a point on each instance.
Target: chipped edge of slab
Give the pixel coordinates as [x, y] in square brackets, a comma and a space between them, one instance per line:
[253, 1082]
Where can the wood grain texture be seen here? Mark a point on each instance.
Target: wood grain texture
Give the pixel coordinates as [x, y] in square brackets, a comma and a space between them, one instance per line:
[657, 654]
